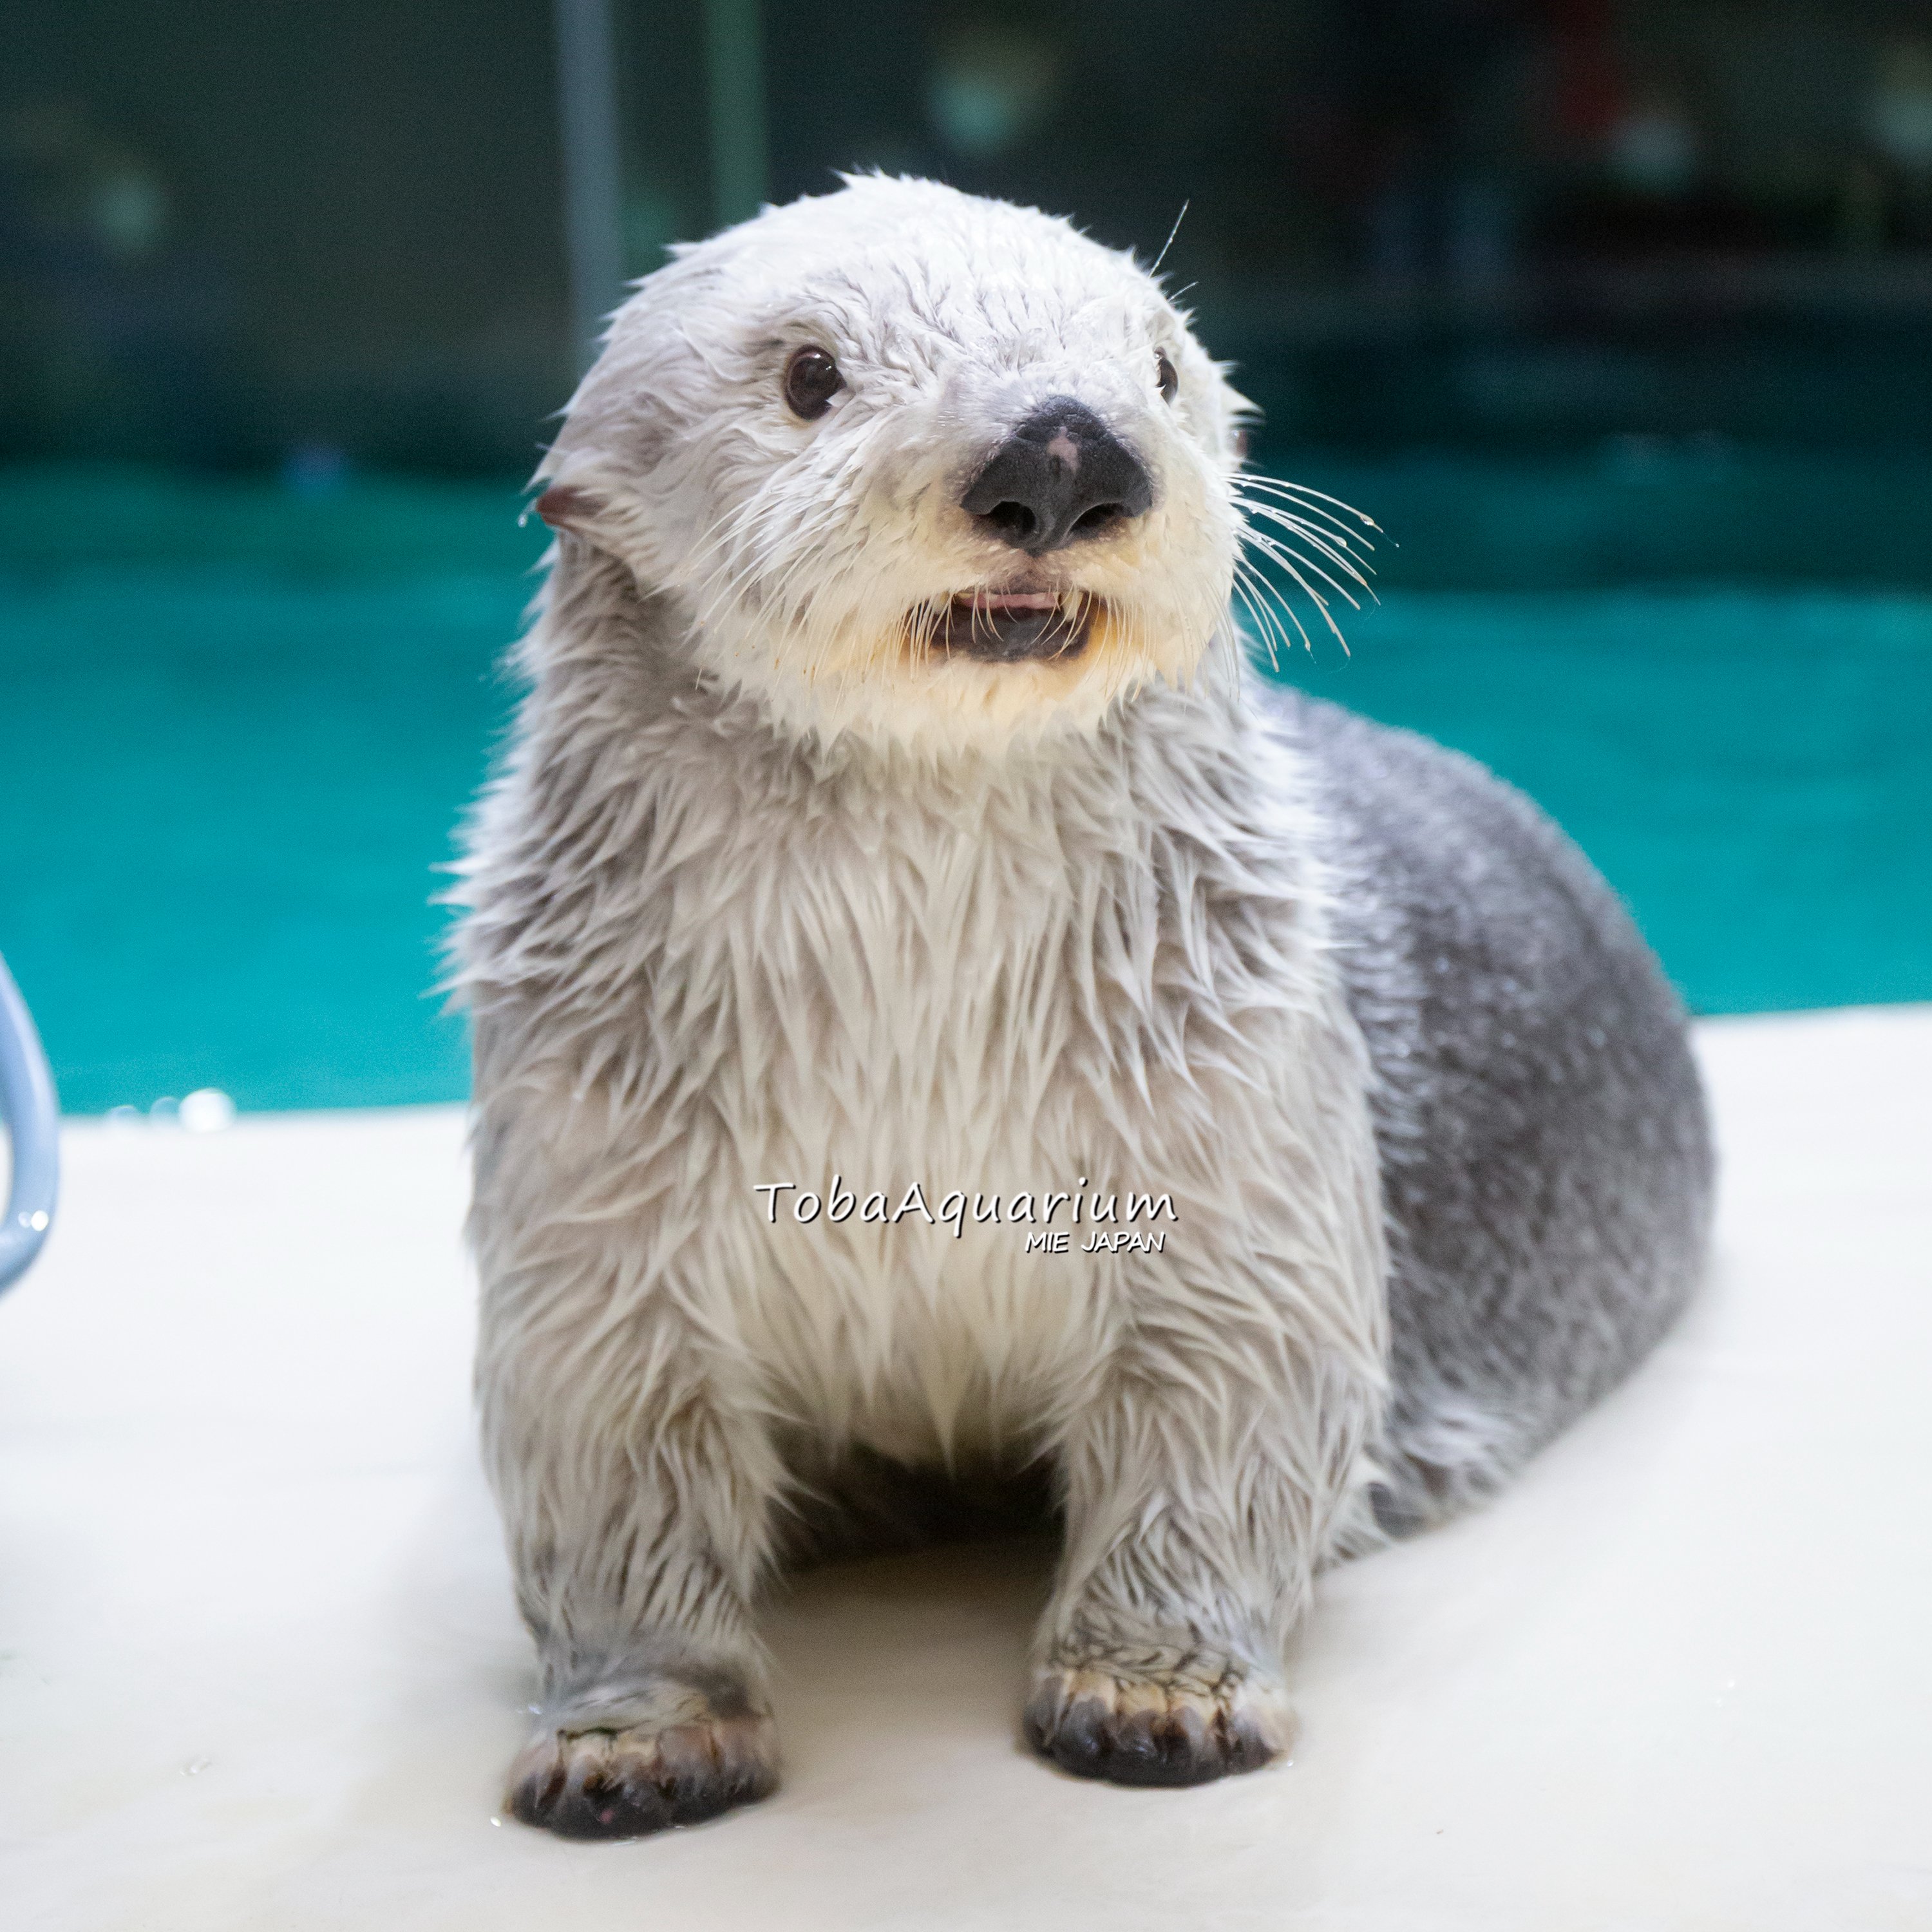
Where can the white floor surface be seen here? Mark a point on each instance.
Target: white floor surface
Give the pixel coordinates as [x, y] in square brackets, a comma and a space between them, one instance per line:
[259, 1667]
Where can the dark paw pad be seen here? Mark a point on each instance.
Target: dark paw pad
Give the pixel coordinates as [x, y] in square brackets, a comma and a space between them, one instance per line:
[1133, 1731]
[623, 1784]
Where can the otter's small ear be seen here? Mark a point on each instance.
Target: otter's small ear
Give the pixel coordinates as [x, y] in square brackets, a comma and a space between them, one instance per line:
[565, 508]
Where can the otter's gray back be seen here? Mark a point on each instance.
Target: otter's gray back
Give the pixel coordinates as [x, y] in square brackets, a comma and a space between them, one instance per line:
[1545, 1155]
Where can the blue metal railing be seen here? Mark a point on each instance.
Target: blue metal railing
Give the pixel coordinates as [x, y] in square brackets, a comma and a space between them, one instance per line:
[32, 1116]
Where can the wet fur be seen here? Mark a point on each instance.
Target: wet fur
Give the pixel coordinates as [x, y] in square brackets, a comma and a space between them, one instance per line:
[742, 910]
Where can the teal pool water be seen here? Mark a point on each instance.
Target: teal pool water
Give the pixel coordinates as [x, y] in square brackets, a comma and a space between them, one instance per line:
[239, 728]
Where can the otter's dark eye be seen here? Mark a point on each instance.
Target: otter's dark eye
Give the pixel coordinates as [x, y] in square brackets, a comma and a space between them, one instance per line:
[811, 379]
[1164, 375]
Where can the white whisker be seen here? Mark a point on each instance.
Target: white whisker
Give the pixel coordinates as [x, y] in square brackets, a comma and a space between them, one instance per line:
[1301, 489]
[1285, 555]
[1354, 568]
[1343, 545]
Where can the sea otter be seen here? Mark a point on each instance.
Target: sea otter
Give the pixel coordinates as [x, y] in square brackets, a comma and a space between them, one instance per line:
[894, 813]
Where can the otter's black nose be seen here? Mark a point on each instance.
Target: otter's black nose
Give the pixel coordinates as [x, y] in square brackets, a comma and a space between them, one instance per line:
[1061, 477]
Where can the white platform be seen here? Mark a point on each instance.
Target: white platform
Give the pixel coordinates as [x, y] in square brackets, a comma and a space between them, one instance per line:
[259, 1667]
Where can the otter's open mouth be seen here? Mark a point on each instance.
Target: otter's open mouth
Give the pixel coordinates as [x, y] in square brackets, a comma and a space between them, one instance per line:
[1010, 626]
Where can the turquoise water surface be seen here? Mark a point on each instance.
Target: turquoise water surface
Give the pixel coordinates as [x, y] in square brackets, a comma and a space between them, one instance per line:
[239, 726]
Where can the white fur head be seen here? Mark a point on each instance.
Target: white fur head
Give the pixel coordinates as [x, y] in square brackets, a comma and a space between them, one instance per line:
[823, 556]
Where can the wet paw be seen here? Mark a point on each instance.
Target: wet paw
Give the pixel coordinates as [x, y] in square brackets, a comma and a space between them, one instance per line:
[1185, 1729]
[624, 1783]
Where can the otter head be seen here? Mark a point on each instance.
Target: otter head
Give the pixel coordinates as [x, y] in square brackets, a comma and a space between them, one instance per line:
[914, 465]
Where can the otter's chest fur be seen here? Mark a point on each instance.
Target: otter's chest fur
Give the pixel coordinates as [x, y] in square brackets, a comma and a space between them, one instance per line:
[937, 1013]
[885, 1051]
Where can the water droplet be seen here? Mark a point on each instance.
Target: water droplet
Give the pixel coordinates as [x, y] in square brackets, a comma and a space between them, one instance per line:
[207, 1111]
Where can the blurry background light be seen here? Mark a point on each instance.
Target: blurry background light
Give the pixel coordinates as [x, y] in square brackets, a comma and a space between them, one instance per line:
[1654, 147]
[207, 1111]
[1901, 107]
[991, 85]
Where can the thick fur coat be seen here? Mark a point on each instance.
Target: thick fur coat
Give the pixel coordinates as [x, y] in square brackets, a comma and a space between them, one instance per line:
[822, 975]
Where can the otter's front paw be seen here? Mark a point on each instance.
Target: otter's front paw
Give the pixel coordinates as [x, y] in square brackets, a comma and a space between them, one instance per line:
[1186, 1727]
[623, 1783]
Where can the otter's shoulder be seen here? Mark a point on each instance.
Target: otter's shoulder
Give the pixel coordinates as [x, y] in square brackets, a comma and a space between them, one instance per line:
[1473, 870]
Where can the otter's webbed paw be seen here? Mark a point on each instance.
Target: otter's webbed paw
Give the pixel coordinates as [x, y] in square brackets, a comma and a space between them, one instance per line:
[1184, 1726]
[583, 1779]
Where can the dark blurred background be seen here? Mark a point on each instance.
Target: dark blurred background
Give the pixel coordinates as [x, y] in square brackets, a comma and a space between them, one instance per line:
[1616, 313]
[234, 232]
